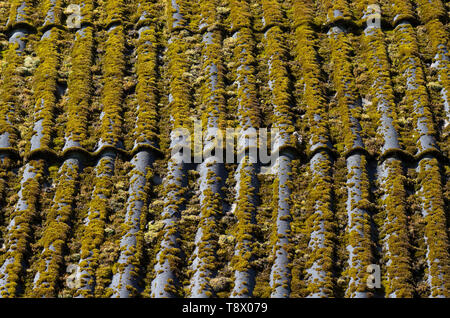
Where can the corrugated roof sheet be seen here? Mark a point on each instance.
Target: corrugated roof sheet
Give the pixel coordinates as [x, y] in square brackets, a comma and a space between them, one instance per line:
[92, 94]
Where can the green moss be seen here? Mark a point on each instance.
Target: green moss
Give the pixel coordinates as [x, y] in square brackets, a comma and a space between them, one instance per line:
[10, 78]
[20, 233]
[436, 240]
[56, 231]
[112, 94]
[392, 220]
[145, 128]
[18, 14]
[45, 86]
[431, 10]
[313, 95]
[80, 87]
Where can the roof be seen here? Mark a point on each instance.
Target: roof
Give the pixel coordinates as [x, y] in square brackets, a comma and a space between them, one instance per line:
[97, 201]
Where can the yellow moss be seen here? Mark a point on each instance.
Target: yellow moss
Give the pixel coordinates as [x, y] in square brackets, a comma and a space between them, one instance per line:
[8, 90]
[393, 223]
[80, 87]
[19, 234]
[56, 231]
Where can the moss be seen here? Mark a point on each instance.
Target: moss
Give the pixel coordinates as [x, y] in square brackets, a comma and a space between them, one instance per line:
[112, 94]
[320, 221]
[56, 231]
[51, 9]
[320, 216]
[145, 129]
[45, 86]
[346, 91]
[115, 10]
[87, 10]
[239, 15]
[408, 62]
[402, 10]
[256, 72]
[21, 11]
[20, 233]
[437, 43]
[178, 14]
[178, 86]
[212, 88]
[278, 75]
[302, 13]
[380, 92]
[393, 223]
[245, 229]
[10, 78]
[431, 10]
[359, 232]
[436, 241]
[272, 13]
[280, 97]
[244, 76]
[175, 116]
[93, 231]
[313, 95]
[80, 87]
